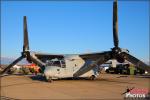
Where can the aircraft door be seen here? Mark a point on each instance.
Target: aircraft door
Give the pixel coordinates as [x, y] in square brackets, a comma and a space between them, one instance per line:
[62, 69]
[57, 65]
[58, 71]
[75, 67]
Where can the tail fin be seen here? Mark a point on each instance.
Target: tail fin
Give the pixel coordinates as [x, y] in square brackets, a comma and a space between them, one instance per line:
[25, 30]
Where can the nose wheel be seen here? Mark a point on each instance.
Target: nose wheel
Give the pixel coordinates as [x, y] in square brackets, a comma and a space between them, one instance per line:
[49, 80]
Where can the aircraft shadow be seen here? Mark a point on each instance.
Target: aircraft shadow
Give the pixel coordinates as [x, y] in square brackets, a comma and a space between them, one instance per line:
[38, 78]
[42, 78]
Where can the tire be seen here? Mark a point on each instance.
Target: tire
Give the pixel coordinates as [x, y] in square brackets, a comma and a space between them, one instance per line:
[92, 77]
[50, 80]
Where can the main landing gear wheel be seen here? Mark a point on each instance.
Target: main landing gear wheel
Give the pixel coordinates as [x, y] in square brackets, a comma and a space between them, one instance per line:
[92, 77]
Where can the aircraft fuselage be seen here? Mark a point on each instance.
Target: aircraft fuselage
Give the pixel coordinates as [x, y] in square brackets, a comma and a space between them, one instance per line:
[67, 67]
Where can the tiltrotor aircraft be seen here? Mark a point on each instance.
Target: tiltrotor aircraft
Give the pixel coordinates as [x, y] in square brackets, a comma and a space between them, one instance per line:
[56, 66]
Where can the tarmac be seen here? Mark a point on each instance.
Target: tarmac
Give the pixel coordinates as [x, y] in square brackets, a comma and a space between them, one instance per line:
[106, 86]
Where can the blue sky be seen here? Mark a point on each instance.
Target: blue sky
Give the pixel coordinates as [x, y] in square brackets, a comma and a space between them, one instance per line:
[74, 27]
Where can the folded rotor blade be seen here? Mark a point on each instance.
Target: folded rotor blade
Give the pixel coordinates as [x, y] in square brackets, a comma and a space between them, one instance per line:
[12, 64]
[115, 24]
[25, 30]
[137, 62]
[102, 59]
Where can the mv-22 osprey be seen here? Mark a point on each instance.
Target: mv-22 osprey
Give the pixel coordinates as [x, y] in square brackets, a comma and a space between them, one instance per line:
[56, 66]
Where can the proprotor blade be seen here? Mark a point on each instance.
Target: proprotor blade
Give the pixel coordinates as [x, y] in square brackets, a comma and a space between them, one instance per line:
[38, 62]
[137, 62]
[25, 30]
[12, 64]
[115, 23]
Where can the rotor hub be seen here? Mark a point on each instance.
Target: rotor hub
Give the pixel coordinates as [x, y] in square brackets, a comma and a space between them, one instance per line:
[119, 54]
[116, 50]
[26, 54]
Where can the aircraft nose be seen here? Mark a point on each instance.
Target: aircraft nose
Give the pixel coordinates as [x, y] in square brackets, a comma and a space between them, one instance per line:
[49, 72]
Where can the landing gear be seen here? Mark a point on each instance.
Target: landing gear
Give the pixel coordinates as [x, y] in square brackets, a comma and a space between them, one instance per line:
[49, 80]
[92, 77]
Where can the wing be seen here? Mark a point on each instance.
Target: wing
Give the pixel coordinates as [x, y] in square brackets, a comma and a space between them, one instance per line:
[97, 58]
[138, 63]
[43, 57]
[93, 56]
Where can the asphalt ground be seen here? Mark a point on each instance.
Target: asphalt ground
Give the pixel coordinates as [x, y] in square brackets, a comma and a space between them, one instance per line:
[106, 86]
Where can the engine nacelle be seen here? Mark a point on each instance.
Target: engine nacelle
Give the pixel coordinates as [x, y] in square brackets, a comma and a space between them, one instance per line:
[119, 54]
[26, 55]
[120, 59]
